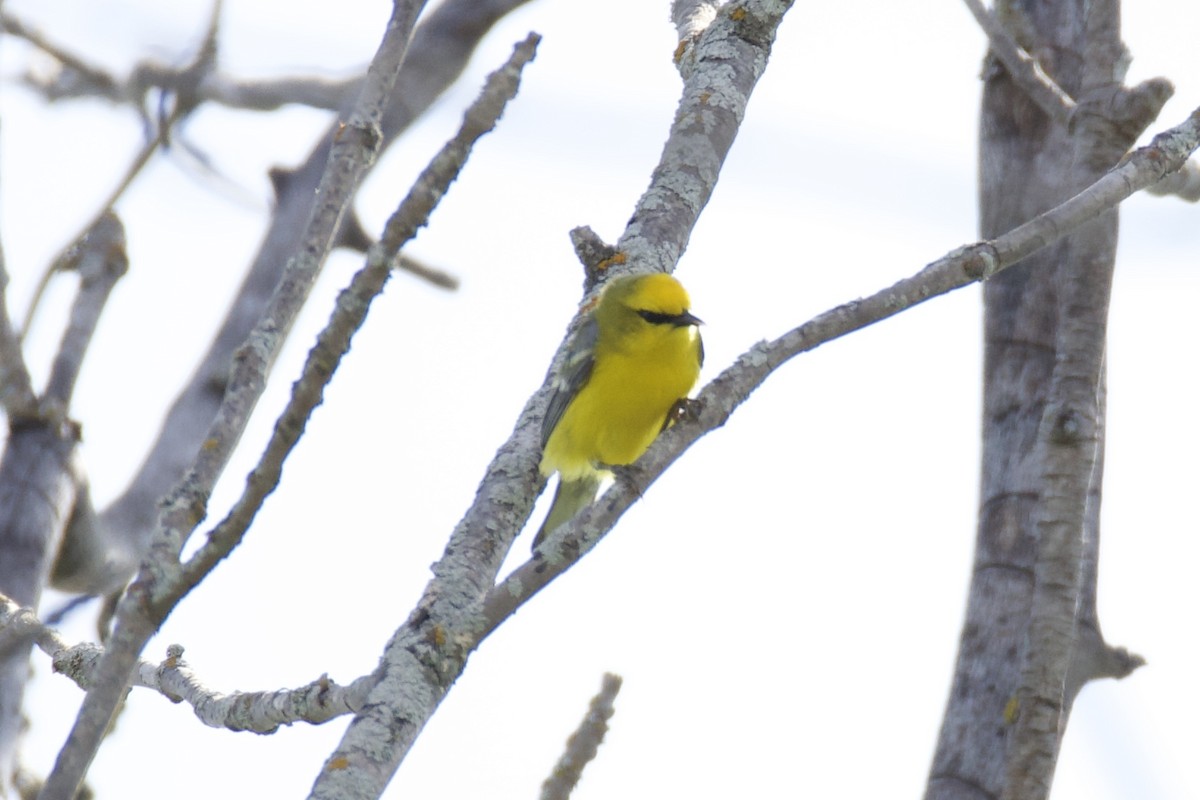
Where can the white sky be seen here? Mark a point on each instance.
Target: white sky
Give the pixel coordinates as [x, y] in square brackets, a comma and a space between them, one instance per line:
[784, 605]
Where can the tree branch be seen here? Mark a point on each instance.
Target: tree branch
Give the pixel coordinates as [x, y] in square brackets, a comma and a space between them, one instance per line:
[1024, 69]
[351, 312]
[352, 150]
[100, 261]
[256, 712]
[42, 488]
[584, 743]
[16, 389]
[1058, 104]
[717, 401]
[428, 652]
[440, 50]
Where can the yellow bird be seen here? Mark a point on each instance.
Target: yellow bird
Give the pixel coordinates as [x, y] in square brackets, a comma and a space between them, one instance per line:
[636, 356]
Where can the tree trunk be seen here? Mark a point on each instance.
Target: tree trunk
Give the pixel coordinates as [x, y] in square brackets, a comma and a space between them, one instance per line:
[1026, 166]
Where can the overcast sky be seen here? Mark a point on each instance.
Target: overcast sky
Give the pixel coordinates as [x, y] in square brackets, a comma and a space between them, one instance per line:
[785, 603]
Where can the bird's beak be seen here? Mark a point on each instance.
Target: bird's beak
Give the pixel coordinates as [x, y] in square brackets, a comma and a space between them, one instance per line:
[685, 319]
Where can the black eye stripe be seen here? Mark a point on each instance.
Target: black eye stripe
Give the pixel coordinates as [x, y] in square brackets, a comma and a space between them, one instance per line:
[655, 318]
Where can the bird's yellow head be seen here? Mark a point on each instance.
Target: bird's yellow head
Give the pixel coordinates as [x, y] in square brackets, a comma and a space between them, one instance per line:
[636, 302]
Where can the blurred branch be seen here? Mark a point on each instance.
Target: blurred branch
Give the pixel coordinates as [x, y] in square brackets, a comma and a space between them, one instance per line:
[1057, 104]
[77, 77]
[201, 80]
[584, 743]
[1185, 183]
[62, 261]
[41, 485]
[158, 135]
[100, 260]
[1024, 69]
[439, 278]
[140, 611]
[16, 388]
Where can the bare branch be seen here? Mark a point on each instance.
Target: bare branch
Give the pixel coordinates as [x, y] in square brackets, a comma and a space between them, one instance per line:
[437, 277]
[710, 111]
[100, 261]
[76, 78]
[41, 486]
[429, 651]
[138, 614]
[256, 712]
[359, 746]
[584, 743]
[440, 50]
[85, 78]
[351, 312]
[717, 401]
[63, 260]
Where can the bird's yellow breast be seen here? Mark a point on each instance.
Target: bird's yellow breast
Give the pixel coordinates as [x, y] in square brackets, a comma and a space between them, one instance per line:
[636, 380]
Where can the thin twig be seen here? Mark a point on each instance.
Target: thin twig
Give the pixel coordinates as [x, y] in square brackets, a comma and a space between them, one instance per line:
[64, 258]
[98, 81]
[584, 743]
[433, 275]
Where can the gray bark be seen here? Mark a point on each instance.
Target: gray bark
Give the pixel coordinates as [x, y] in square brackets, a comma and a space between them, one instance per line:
[1031, 637]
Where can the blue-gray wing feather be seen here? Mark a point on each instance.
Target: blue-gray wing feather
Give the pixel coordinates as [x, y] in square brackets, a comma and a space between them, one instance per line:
[573, 377]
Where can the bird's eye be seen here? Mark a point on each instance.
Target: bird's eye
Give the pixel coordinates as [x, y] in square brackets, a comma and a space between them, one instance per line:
[655, 318]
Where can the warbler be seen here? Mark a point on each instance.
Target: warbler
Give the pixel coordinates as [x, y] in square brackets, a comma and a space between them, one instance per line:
[636, 356]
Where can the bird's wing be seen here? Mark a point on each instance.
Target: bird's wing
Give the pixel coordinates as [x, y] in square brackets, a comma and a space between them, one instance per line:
[574, 375]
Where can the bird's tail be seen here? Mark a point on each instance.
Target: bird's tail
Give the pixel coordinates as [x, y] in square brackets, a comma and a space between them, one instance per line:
[569, 498]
